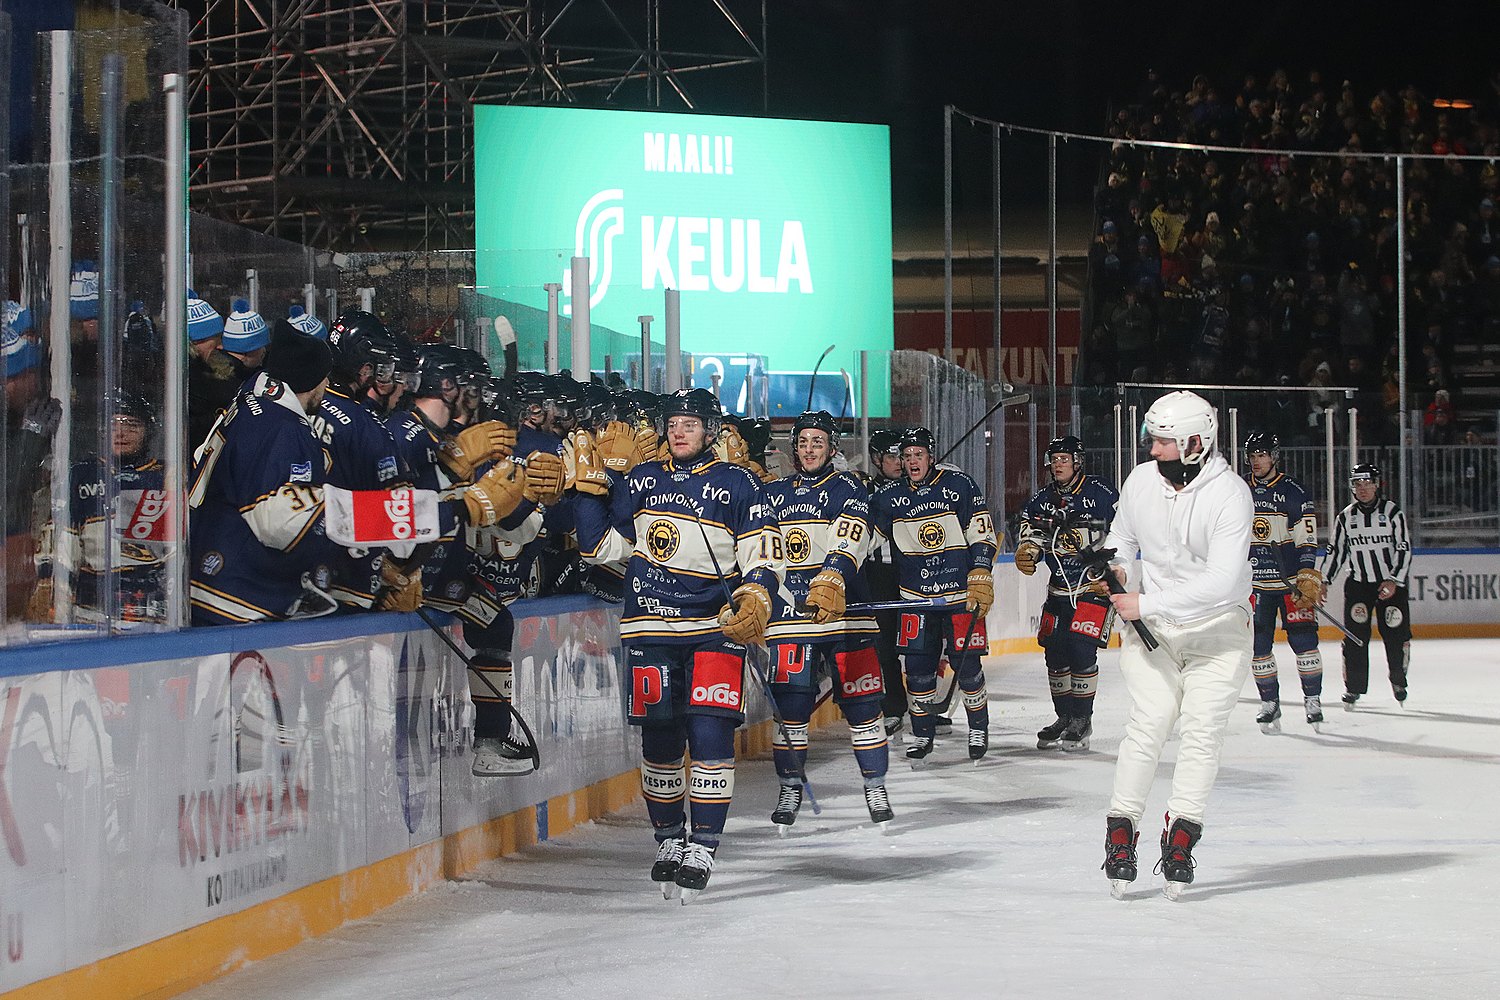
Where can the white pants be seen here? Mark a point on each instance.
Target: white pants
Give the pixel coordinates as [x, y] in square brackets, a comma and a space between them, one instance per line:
[1195, 675]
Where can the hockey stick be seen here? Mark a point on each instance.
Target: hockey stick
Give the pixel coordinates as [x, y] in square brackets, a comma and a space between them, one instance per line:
[1017, 399]
[813, 382]
[1319, 610]
[848, 394]
[765, 682]
[534, 751]
[916, 604]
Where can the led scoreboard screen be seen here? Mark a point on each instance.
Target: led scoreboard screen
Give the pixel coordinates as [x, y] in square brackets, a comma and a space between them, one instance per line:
[776, 232]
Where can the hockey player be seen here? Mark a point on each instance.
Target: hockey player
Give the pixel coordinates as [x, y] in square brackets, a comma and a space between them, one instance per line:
[945, 544]
[1371, 546]
[691, 527]
[881, 582]
[1283, 541]
[1071, 513]
[824, 517]
[1188, 515]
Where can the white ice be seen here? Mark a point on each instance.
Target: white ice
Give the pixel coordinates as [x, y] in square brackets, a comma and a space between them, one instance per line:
[1359, 863]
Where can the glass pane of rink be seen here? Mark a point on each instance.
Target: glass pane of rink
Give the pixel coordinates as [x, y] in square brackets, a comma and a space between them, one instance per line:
[1355, 863]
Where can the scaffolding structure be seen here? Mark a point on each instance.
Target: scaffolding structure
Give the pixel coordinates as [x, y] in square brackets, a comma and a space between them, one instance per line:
[348, 124]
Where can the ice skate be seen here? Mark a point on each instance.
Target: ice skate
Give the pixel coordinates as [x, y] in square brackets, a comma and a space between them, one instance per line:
[918, 747]
[1349, 699]
[788, 801]
[692, 874]
[943, 723]
[879, 804]
[892, 725]
[1400, 693]
[1076, 736]
[1047, 738]
[664, 870]
[1269, 718]
[497, 758]
[1314, 706]
[979, 744]
[1120, 838]
[1177, 862]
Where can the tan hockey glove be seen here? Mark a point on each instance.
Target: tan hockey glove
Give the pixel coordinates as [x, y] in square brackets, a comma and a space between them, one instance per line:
[497, 493]
[617, 447]
[1309, 588]
[826, 596]
[544, 478]
[646, 442]
[981, 591]
[401, 587]
[473, 446]
[745, 619]
[1028, 554]
[588, 471]
[730, 447]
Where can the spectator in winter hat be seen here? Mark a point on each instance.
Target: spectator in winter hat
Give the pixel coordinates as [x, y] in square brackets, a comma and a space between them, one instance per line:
[214, 376]
[205, 327]
[20, 348]
[83, 293]
[246, 336]
[305, 322]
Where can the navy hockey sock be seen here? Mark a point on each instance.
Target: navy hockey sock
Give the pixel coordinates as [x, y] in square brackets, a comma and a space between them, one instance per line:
[871, 749]
[711, 778]
[796, 707]
[490, 690]
[977, 705]
[1264, 669]
[1310, 671]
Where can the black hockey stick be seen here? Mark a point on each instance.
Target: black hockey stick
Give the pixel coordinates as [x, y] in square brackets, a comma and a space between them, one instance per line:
[813, 382]
[765, 682]
[530, 746]
[916, 604]
[1291, 583]
[1017, 399]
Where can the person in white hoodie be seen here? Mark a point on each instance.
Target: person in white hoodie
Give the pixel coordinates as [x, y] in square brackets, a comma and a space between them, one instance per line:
[1188, 516]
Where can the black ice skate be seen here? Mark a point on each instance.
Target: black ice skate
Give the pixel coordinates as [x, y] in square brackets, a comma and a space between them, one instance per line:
[892, 725]
[1076, 736]
[943, 722]
[1314, 706]
[1349, 699]
[919, 747]
[664, 871]
[788, 801]
[1120, 838]
[497, 758]
[1047, 738]
[879, 804]
[1269, 719]
[1400, 693]
[1177, 863]
[979, 744]
[692, 874]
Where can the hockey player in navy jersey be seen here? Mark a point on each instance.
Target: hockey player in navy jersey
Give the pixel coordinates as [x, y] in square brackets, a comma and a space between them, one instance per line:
[945, 545]
[257, 505]
[824, 517]
[691, 528]
[881, 582]
[1069, 514]
[1285, 580]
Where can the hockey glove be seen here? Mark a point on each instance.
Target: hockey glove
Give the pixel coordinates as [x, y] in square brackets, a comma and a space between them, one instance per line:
[473, 446]
[1309, 584]
[401, 586]
[588, 470]
[544, 478]
[730, 447]
[745, 619]
[646, 442]
[825, 596]
[616, 447]
[41, 417]
[981, 591]
[1028, 554]
[760, 472]
[497, 493]
[40, 607]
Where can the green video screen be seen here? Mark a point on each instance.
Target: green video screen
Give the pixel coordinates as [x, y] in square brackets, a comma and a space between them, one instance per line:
[777, 233]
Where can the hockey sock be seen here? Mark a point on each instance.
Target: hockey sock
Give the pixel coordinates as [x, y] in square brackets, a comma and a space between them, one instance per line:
[1310, 670]
[791, 759]
[977, 705]
[923, 689]
[1085, 683]
[490, 687]
[711, 777]
[867, 732]
[1264, 669]
[664, 787]
[1060, 683]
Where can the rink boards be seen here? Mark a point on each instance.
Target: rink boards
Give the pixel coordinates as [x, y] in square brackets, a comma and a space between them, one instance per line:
[173, 807]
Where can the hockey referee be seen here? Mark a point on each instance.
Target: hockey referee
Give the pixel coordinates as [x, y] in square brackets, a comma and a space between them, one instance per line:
[1370, 541]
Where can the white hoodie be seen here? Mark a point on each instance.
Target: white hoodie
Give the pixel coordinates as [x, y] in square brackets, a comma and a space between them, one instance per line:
[1194, 542]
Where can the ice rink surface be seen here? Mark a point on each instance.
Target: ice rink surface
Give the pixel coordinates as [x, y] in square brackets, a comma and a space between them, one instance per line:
[1358, 863]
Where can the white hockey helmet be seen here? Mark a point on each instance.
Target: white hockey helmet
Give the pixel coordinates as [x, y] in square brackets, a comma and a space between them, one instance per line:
[1182, 416]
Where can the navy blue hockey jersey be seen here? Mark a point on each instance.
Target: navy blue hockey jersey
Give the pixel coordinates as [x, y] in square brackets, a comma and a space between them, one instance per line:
[825, 523]
[133, 558]
[1088, 497]
[1284, 534]
[445, 571]
[940, 528]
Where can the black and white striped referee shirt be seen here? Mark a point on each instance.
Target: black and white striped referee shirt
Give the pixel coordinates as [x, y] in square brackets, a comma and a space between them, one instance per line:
[1372, 545]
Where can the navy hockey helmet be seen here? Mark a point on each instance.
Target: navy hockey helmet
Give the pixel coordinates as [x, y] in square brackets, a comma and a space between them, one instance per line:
[1258, 441]
[919, 437]
[637, 406]
[357, 339]
[439, 368]
[698, 403]
[474, 368]
[818, 420]
[1068, 444]
[757, 434]
[595, 405]
[886, 442]
[124, 403]
[498, 401]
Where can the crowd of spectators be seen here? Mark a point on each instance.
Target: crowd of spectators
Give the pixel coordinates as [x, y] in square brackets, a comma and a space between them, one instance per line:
[1270, 268]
